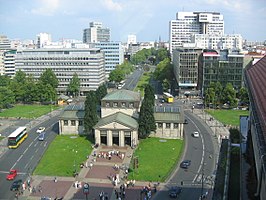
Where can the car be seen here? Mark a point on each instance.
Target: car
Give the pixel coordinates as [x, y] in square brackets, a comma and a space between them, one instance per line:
[185, 122]
[12, 174]
[16, 185]
[41, 136]
[174, 191]
[40, 130]
[195, 134]
[185, 164]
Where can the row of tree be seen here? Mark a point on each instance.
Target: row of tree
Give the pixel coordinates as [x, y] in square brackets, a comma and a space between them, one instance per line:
[25, 89]
[217, 95]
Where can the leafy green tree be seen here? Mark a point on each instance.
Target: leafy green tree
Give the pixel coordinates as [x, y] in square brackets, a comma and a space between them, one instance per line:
[209, 96]
[100, 93]
[4, 80]
[116, 76]
[74, 85]
[46, 93]
[17, 85]
[7, 97]
[243, 96]
[162, 54]
[49, 78]
[90, 118]
[164, 70]
[146, 116]
[31, 90]
[229, 95]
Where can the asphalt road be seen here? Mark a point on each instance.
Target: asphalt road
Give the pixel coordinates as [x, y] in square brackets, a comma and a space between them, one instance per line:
[133, 79]
[26, 156]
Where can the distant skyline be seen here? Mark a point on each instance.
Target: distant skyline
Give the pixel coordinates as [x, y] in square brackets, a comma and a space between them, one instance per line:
[147, 19]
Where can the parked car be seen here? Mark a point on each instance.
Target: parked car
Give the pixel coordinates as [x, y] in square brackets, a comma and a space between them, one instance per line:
[185, 164]
[174, 191]
[16, 185]
[40, 130]
[12, 174]
[195, 134]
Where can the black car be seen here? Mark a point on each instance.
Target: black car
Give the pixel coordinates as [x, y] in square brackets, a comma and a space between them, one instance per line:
[185, 164]
[174, 191]
[16, 185]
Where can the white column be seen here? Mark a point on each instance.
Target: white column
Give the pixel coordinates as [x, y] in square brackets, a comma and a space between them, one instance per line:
[121, 138]
[109, 138]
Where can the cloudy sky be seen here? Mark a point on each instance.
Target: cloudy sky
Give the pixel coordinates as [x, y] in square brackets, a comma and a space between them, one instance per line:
[148, 19]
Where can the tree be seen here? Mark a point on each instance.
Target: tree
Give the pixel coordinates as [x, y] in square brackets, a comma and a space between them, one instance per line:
[7, 97]
[116, 75]
[243, 96]
[90, 118]
[146, 116]
[49, 78]
[46, 93]
[100, 93]
[162, 54]
[4, 80]
[209, 96]
[74, 85]
[164, 70]
[229, 95]
[17, 85]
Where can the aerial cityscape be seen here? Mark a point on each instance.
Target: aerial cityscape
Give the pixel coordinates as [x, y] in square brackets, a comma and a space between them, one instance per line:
[132, 100]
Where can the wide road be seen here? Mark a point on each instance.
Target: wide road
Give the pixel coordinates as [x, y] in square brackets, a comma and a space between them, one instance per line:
[26, 156]
[132, 81]
[203, 155]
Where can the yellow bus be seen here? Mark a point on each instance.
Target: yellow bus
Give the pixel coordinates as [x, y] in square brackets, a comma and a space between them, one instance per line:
[17, 137]
[168, 97]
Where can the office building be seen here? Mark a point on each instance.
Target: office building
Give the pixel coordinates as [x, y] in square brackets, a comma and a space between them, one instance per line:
[43, 39]
[228, 41]
[9, 63]
[114, 54]
[5, 43]
[224, 67]
[187, 24]
[96, 33]
[185, 62]
[87, 63]
[131, 39]
[256, 138]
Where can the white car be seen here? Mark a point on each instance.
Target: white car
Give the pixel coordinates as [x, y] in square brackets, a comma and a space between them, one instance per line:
[195, 134]
[40, 130]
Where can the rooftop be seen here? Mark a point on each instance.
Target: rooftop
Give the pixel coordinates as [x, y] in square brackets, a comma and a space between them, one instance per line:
[119, 95]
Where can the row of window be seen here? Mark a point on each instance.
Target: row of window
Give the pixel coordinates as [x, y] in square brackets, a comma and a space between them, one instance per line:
[167, 125]
[60, 58]
[116, 104]
[73, 123]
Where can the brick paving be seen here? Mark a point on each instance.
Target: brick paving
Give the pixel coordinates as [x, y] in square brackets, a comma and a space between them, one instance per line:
[101, 172]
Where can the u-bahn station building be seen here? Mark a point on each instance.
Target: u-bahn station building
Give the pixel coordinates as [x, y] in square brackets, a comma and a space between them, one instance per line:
[118, 124]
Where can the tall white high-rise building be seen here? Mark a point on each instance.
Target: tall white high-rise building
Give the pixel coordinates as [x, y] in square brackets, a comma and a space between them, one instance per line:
[187, 24]
[96, 33]
[43, 39]
[131, 39]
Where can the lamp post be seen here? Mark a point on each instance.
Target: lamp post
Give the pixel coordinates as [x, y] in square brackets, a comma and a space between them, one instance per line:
[75, 166]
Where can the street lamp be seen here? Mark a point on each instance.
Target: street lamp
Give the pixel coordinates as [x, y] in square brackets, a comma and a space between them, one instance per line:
[75, 166]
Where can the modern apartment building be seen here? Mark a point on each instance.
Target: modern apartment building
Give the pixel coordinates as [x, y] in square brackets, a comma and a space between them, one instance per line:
[227, 41]
[96, 33]
[114, 54]
[5, 45]
[87, 63]
[185, 62]
[9, 63]
[187, 24]
[224, 67]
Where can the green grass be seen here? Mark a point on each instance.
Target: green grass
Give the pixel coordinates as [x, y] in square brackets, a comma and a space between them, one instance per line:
[28, 111]
[63, 154]
[156, 159]
[228, 117]
[1, 137]
[145, 78]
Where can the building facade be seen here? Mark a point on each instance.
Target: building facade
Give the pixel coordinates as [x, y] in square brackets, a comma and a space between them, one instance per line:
[114, 54]
[10, 63]
[228, 41]
[43, 39]
[187, 24]
[224, 67]
[256, 84]
[185, 62]
[96, 33]
[87, 63]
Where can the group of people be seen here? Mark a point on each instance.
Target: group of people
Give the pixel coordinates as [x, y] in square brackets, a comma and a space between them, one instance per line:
[109, 154]
[77, 184]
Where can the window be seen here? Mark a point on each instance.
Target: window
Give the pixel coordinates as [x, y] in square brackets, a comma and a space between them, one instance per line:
[123, 104]
[175, 125]
[115, 104]
[168, 125]
[73, 122]
[131, 105]
[65, 122]
[107, 104]
[160, 125]
[80, 123]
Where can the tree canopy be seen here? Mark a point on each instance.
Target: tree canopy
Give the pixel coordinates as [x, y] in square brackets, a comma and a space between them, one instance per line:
[49, 78]
[90, 118]
[74, 85]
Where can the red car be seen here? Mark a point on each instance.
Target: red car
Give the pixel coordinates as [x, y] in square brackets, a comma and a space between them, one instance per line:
[12, 174]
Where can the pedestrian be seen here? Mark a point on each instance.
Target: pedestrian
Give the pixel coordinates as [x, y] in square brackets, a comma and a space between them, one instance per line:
[33, 190]
[40, 189]
[55, 179]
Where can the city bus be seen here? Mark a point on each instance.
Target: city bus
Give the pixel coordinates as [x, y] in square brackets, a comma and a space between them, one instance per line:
[168, 97]
[17, 137]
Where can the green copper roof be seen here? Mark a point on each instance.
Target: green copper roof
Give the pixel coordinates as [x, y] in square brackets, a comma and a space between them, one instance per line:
[168, 117]
[120, 118]
[72, 114]
[123, 95]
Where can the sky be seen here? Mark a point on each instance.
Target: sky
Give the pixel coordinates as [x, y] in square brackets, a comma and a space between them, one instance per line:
[147, 19]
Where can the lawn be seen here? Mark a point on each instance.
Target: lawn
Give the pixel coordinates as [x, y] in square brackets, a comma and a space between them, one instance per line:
[64, 156]
[157, 158]
[28, 111]
[228, 117]
[145, 78]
